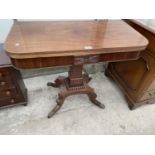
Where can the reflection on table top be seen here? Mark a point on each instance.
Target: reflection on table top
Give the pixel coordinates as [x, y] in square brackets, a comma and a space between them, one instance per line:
[72, 38]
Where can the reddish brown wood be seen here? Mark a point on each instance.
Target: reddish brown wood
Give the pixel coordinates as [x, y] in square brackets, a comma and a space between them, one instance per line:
[75, 83]
[72, 38]
[75, 75]
[137, 78]
[12, 88]
[30, 63]
[73, 43]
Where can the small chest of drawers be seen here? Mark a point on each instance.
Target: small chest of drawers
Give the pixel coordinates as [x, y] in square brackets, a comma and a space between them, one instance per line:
[12, 88]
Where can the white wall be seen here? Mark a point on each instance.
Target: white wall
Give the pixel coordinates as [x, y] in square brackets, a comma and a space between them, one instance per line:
[149, 22]
[5, 25]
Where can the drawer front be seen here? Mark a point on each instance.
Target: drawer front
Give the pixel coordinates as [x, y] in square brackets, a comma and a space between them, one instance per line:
[4, 73]
[6, 84]
[11, 87]
[8, 93]
[9, 101]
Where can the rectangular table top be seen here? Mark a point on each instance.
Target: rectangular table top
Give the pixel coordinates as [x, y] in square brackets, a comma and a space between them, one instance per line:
[72, 38]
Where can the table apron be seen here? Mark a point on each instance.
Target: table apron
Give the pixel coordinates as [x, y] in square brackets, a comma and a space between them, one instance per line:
[43, 62]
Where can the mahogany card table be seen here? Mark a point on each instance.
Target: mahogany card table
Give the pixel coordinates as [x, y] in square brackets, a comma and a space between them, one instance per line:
[40, 44]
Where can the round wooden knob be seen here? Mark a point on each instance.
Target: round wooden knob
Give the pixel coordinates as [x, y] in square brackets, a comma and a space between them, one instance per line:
[8, 93]
[12, 100]
[3, 83]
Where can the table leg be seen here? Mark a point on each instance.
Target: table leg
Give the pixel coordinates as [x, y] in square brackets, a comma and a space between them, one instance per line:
[59, 104]
[56, 83]
[75, 83]
[92, 97]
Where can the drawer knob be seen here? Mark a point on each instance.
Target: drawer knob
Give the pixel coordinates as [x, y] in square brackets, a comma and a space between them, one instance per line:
[12, 100]
[3, 83]
[8, 93]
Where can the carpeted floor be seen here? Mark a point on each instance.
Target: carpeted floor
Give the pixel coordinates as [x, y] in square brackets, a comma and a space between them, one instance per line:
[78, 115]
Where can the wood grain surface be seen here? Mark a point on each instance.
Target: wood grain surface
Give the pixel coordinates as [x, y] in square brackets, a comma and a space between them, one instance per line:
[72, 38]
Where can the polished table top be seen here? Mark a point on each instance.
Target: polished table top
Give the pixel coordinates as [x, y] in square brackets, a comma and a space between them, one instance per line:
[72, 38]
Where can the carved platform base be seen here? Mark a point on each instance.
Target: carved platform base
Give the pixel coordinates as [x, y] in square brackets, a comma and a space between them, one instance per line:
[66, 89]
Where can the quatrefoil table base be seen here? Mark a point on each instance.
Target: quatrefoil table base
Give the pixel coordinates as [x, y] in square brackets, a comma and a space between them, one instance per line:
[75, 83]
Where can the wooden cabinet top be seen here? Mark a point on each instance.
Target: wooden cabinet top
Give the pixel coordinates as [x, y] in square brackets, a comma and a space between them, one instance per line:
[72, 38]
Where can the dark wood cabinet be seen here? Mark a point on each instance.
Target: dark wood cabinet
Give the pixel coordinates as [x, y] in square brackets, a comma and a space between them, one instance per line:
[12, 88]
[137, 78]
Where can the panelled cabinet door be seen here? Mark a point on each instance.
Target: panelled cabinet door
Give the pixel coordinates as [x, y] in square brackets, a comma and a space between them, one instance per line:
[132, 73]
